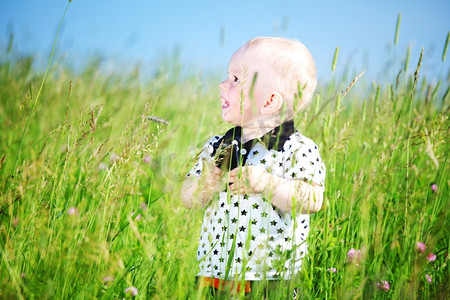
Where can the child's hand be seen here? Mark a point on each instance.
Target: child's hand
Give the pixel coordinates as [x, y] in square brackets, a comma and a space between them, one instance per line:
[198, 191]
[212, 179]
[248, 180]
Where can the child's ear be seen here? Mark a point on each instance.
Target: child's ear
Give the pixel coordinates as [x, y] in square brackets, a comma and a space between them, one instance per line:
[272, 104]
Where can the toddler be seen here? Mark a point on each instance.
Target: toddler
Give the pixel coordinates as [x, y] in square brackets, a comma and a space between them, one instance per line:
[259, 181]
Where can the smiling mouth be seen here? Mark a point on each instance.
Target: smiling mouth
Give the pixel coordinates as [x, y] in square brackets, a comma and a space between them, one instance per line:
[225, 105]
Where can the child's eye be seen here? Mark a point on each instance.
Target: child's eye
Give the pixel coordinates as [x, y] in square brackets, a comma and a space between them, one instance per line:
[235, 79]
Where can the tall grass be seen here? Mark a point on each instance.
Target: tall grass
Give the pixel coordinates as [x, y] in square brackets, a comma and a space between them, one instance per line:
[93, 207]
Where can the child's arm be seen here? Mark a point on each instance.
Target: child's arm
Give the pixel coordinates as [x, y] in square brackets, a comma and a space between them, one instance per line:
[203, 180]
[286, 194]
[197, 191]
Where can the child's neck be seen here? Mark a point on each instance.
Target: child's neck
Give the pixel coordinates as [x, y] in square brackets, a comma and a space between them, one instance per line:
[253, 133]
[256, 131]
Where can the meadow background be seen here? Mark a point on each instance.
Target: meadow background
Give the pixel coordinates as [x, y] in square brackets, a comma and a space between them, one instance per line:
[90, 185]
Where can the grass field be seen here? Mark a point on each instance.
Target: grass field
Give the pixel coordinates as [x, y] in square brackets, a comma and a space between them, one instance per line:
[89, 184]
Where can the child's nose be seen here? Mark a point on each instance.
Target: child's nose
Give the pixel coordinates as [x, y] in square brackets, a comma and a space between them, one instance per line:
[223, 85]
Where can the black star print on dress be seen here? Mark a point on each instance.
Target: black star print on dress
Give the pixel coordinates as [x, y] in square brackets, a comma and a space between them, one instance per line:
[246, 233]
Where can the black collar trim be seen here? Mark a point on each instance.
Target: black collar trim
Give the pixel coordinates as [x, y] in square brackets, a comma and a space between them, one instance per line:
[274, 139]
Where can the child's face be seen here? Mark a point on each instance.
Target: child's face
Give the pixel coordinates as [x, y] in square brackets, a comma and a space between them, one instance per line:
[239, 106]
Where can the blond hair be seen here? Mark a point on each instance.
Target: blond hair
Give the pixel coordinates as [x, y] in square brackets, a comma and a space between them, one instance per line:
[295, 67]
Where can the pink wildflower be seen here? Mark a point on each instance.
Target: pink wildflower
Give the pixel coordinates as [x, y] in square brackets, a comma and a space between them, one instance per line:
[431, 257]
[132, 291]
[421, 247]
[428, 277]
[147, 159]
[434, 187]
[143, 206]
[114, 157]
[72, 211]
[332, 270]
[384, 286]
[354, 255]
[137, 218]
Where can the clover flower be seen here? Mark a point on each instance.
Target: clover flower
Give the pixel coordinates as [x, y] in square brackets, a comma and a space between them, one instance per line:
[143, 206]
[431, 257]
[428, 277]
[354, 255]
[147, 159]
[114, 157]
[420, 247]
[383, 286]
[102, 166]
[72, 211]
[131, 290]
[332, 270]
[434, 187]
[137, 218]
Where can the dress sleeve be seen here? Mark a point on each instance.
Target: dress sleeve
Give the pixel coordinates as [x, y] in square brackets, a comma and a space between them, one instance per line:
[304, 162]
[205, 154]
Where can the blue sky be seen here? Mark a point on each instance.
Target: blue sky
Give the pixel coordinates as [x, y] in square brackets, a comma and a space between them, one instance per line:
[208, 32]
